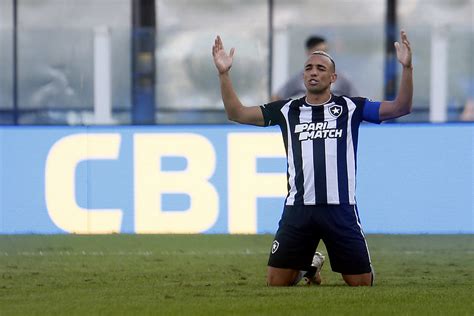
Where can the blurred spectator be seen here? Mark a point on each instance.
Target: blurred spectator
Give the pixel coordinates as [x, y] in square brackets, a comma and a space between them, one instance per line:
[294, 87]
[468, 112]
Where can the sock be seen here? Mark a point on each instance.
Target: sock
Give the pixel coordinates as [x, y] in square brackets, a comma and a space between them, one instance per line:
[299, 277]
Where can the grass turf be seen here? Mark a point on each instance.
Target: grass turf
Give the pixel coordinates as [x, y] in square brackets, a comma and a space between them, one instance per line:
[224, 274]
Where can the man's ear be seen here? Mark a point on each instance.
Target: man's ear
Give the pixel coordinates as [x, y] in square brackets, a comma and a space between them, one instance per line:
[333, 77]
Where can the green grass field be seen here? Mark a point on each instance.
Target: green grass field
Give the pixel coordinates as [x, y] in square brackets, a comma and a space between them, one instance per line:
[224, 275]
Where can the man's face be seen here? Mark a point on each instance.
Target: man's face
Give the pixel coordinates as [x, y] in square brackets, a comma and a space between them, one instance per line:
[318, 73]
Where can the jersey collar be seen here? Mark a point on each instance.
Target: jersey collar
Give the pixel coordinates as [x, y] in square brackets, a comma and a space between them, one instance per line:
[306, 103]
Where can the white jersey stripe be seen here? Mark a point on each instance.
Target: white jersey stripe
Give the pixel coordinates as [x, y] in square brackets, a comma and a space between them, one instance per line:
[291, 164]
[309, 196]
[351, 172]
[332, 185]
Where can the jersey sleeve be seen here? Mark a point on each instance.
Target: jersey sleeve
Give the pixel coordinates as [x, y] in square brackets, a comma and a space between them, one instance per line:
[271, 112]
[370, 111]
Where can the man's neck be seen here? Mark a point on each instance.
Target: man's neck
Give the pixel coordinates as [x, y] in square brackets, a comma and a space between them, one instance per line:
[317, 99]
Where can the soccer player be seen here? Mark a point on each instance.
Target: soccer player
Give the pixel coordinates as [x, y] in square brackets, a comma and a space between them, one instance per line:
[320, 133]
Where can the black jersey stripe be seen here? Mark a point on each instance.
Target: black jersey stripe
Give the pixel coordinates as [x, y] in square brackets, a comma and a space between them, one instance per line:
[356, 119]
[351, 154]
[319, 160]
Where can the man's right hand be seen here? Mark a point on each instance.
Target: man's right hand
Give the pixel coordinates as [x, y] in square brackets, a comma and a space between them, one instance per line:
[222, 60]
[235, 110]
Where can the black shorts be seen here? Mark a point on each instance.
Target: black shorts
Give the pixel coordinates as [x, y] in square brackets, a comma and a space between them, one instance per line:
[302, 227]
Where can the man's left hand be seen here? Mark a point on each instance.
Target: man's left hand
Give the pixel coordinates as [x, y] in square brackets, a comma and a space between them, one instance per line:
[404, 50]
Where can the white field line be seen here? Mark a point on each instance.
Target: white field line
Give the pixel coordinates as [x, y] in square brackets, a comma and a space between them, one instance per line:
[245, 252]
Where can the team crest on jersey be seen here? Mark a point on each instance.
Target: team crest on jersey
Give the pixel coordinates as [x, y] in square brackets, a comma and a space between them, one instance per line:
[275, 246]
[335, 110]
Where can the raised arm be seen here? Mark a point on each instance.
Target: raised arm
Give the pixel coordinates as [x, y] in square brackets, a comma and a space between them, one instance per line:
[235, 110]
[403, 102]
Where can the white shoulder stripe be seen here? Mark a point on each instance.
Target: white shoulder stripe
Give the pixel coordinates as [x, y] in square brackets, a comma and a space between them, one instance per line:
[330, 152]
[291, 164]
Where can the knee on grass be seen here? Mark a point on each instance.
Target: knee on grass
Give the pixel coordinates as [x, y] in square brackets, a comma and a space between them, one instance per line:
[281, 277]
[365, 279]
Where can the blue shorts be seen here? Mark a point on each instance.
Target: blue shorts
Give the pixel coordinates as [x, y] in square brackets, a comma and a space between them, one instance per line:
[302, 227]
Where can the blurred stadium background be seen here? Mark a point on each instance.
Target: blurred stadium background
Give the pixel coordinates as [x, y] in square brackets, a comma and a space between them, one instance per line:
[160, 66]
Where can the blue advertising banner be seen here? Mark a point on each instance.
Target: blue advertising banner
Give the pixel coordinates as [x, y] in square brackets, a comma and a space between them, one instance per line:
[221, 179]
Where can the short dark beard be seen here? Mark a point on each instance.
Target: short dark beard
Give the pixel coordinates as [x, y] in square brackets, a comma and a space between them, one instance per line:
[317, 90]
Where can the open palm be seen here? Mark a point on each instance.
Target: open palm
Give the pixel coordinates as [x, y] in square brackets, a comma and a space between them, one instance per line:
[403, 50]
[222, 60]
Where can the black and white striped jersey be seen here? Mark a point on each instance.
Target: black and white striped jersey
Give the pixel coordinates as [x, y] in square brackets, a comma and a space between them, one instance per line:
[321, 146]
